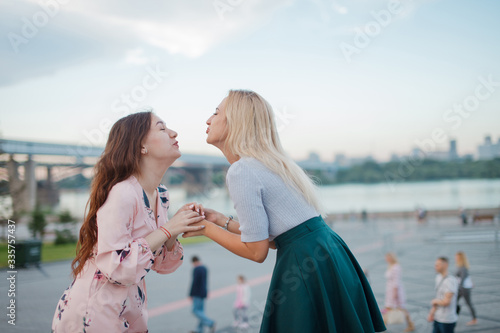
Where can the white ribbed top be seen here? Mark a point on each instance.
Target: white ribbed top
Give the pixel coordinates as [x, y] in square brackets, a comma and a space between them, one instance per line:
[265, 205]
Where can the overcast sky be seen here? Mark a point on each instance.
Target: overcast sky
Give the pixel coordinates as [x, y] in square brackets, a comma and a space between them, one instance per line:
[355, 77]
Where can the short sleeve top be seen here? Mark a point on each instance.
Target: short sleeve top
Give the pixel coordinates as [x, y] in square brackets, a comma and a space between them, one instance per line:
[266, 206]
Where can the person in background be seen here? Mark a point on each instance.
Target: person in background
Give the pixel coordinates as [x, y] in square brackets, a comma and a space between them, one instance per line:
[465, 283]
[421, 215]
[198, 294]
[444, 307]
[241, 303]
[463, 216]
[395, 297]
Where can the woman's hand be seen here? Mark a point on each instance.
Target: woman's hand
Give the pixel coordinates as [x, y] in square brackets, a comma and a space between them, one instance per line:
[194, 206]
[200, 232]
[215, 217]
[184, 221]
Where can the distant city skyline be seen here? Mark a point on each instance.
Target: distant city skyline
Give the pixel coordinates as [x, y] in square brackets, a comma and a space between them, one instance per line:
[485, 151]
[354, 77]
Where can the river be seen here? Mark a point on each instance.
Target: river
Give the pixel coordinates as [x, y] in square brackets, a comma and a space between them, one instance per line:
[432, 195]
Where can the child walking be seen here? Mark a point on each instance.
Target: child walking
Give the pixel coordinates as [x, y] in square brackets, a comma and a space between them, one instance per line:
[241, 303]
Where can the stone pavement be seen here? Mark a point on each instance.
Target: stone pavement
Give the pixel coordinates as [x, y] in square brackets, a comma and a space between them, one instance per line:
[417, 246]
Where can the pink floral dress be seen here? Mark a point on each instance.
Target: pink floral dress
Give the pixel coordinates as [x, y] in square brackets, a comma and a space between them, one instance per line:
[110, 293]
[394, 282]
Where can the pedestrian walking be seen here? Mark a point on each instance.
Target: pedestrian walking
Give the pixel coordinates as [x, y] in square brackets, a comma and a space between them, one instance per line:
[443, 312]
[241, 303]
[198, 295]
[464, 284]
[395, 297]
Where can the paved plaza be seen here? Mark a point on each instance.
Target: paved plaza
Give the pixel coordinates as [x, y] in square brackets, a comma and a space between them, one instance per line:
[417, 246]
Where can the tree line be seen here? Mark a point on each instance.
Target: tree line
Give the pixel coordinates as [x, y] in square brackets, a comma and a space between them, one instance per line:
[413, 170]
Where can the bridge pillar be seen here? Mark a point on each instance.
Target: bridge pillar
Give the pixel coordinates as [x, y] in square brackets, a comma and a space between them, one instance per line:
[23, 193]
[48, 194]
[30, 180]
[16, 186]
[206, 178]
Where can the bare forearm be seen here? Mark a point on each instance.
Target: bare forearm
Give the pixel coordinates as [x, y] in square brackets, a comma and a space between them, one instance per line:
[156, 239]
[233, 226]
[444, 301]
[233, 243]
[433, 310]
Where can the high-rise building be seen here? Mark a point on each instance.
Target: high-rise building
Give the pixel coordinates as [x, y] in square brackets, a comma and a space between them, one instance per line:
[488, 150]
[453, 155]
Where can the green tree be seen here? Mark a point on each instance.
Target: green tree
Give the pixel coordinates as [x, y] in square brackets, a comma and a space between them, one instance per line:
[38, 223]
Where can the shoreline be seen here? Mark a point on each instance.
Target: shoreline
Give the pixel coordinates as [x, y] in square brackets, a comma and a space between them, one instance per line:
[482, 213]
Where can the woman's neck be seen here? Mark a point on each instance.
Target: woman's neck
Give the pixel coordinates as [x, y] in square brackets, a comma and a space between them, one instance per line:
[230, 157]
[150, 176]
[148, 183]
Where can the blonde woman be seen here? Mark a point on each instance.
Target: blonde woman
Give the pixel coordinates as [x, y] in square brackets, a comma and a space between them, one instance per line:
[317, 284]
[395, 297]
[465, 284]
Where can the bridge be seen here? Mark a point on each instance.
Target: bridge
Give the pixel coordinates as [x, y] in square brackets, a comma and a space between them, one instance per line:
[196, 170]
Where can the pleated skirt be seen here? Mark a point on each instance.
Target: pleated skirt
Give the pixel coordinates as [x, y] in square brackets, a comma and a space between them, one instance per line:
[318, 285]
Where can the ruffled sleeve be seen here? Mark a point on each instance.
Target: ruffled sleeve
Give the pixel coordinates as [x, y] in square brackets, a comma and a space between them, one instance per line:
[123, 260]
[167, 262]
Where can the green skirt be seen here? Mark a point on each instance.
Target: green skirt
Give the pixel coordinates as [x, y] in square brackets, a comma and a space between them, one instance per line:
[318, 286]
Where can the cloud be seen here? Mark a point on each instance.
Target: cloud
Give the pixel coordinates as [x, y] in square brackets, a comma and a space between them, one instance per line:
[46, 36]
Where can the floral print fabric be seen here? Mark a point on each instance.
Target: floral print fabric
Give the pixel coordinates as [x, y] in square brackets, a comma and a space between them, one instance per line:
[110, 293]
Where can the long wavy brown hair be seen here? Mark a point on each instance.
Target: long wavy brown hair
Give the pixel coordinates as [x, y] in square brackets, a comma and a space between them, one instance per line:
[119, 161]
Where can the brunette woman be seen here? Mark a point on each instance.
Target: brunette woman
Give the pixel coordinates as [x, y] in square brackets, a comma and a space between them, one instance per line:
[126, 232]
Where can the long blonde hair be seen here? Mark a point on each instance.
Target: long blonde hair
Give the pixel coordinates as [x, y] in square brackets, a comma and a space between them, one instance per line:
[462, 260]
[252, 132]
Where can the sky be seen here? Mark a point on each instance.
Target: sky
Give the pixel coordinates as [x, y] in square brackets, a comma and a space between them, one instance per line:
[359, 77]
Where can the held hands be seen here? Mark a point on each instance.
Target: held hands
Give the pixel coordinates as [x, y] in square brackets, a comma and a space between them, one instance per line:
[185, 221]
[192, 206]
[215, 217]
[199, 232]
[211, 216]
